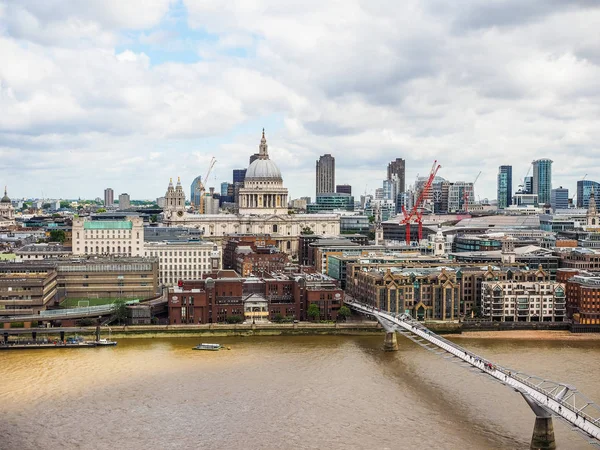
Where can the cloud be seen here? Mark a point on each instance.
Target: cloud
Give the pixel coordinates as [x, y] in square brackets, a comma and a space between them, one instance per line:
[474, 84]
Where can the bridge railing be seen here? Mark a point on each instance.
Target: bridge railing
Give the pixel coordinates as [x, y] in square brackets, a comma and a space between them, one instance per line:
[559, 398]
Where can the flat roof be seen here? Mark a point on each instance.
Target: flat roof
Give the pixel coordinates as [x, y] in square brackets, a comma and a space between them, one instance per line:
[108, 225]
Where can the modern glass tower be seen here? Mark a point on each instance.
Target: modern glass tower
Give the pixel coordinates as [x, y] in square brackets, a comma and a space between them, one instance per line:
[584, 189]
[504, 187]
[542, 180]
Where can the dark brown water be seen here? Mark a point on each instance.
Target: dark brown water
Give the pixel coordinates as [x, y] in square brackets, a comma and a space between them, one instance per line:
[279, 393]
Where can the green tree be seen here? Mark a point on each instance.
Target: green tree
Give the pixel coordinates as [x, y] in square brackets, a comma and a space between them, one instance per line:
[120, 311]
[46, 205]
[344, 312]
[307, 230]
[234, 319]
[371, 219]
[65, 204]
[313, 311]
[278, 318]
[153, 218]
[101, 210]
[57, 236]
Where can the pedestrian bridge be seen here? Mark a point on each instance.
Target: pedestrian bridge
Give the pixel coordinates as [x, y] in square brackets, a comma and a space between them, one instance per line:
[546, 398]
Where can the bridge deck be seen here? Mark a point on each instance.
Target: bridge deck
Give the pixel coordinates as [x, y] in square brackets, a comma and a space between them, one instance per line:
[559, 399]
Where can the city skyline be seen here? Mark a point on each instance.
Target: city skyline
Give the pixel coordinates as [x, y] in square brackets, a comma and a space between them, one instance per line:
[92, 96]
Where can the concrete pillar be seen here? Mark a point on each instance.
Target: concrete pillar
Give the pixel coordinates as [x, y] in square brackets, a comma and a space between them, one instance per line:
[543, 434]
[391, 342]
[62, 336]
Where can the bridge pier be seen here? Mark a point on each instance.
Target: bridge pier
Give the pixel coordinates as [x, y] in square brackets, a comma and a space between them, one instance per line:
[391, 342]
[543, 434]
[543, 430]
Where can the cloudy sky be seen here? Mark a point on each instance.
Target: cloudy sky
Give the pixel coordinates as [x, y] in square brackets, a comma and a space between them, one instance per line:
[127, 93]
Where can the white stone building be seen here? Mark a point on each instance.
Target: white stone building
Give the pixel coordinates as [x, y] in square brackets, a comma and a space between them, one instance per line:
[521, 301]
[263, 210]
[7, 211]
[108, 237]
[184, 260]
[174, 200]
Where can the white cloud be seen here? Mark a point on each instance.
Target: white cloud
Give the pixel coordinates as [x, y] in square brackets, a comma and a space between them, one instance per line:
[472, 84]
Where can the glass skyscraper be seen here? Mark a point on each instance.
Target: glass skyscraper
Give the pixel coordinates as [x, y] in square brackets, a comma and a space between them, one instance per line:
[504, 187]
[542, 180]
[584, 188]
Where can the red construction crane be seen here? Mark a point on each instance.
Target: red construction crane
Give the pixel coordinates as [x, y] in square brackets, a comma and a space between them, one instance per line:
[466, 193]
[415, 213]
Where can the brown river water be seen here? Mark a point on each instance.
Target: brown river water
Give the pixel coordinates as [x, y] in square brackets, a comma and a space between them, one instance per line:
[316, 392]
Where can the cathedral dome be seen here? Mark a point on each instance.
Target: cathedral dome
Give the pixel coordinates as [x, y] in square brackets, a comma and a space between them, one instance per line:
[263, 168]
[5, 199]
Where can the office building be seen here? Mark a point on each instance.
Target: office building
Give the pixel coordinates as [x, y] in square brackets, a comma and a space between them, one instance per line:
[224, 187]
[524, 301]
[108, 237]
[239, 175]
[559, 198]
[124, 201]
[109, 197]
[504, 187]
[196, 192]
[326, 175]
[396, 171]
[584, 188]
[331, 202]
[542, 180]
[528, 185]
[343, 189]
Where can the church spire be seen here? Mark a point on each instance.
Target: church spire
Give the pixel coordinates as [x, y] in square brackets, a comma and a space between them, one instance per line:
[263, 152]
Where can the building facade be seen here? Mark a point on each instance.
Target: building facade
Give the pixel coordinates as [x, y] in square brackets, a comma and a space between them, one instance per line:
[108, 237]
[224, 296]
[542, 179]
[7, 211]
[396, 172]
[325, 175]
[332, 202]
[183, 259]
[175, 200]
[124, 201]
[559, 198]
[26, 288]
[427, 294]
[263, 191]
[584, 189]
[583, 298]
[520, 301]
[109, 197]
[504, 187]
[343, 189]
[195, 193]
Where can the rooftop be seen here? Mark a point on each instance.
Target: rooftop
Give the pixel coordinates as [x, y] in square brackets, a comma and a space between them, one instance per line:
[107, 225]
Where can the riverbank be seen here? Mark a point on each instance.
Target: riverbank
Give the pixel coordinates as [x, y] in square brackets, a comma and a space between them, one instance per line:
[545, 335]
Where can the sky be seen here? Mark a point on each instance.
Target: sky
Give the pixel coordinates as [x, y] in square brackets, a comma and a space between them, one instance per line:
[127, 94]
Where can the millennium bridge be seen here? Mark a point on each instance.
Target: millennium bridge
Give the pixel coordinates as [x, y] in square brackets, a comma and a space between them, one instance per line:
[546, 398]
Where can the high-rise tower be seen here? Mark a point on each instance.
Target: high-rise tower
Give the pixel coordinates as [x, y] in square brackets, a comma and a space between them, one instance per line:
[542, 180]
[326, 174]
[504, 187]
[396, 171]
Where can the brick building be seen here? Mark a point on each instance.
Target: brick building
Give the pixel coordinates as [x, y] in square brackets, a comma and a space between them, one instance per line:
[222, 295]
[253, 255]
[583, 297]
[432, 294]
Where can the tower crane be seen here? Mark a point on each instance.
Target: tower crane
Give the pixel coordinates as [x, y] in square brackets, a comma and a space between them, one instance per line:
[466, 193]
[522, 186]
[202, 205]
[575, 195]
[415, 214]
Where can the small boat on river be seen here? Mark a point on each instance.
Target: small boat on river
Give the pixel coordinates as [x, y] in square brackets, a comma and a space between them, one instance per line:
[210, 347]
[105, 343]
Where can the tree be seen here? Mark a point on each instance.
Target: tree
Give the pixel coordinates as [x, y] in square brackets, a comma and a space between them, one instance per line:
[234, 319]
[57, 236]
[101, 210]
[313, 311]
[120, 310]
[65, 204]
[278, 318]
[46, 205]
[153, 218]
[371, 219]
[344, 312]
[307, 230]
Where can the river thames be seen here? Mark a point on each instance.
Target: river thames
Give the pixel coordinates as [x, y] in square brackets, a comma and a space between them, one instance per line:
[315, 392]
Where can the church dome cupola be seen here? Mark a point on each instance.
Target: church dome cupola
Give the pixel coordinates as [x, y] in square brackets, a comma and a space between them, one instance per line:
[263, 168]
[5, 199]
